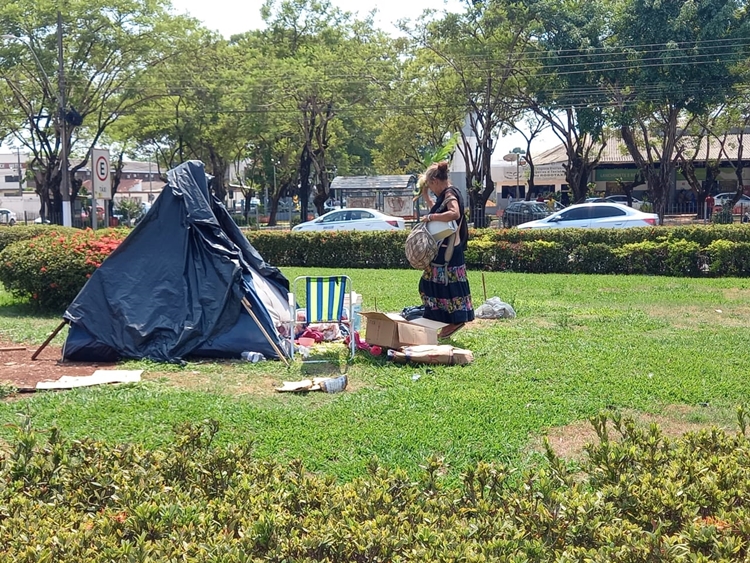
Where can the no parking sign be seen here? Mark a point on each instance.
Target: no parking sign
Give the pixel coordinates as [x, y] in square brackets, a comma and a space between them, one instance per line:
[102, 182]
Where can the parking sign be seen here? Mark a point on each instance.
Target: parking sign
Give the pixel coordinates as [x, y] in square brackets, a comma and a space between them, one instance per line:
[102, 182]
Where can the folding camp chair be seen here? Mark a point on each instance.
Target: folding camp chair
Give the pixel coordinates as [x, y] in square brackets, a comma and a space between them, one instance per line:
[324, 303]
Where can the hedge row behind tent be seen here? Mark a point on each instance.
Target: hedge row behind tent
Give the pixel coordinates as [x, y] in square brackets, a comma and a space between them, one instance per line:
[175, 286]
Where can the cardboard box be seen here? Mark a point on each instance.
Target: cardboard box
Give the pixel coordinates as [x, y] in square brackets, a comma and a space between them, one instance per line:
[391, 330]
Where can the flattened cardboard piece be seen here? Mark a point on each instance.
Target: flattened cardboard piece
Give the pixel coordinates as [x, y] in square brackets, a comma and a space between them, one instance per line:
[292, 386]
[444, 354]
[99, 377]
[391, 330]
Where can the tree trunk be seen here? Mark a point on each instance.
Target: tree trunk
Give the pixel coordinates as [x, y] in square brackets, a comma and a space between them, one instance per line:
[218, 170]
[305, 165]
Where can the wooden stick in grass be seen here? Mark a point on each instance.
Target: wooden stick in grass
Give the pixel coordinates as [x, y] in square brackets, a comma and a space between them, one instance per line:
[49, 339]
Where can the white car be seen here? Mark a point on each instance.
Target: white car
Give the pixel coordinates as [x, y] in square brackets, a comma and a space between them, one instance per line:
[352, 219]
[594, 215]
[623, 199]
[7, 217]
[742, 205]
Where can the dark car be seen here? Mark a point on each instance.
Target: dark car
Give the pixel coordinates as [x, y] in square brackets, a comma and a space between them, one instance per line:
[523, 211]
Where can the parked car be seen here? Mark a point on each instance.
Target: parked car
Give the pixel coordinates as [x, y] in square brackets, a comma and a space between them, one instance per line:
[99, 213]
[594, 215]
[7, 217]
[623, 199]
[38, 221]
[742, 205]
[523, 211]
[353, 219]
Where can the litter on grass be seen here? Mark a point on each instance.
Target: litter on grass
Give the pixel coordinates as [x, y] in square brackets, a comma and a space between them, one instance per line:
[495, 308]
[99, 377]
[325, 384]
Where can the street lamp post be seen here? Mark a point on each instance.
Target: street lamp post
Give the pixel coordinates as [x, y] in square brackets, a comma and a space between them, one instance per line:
[516, 155]
[60, 116]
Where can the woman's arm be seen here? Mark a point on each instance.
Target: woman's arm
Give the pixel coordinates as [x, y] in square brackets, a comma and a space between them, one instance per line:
[451, 212]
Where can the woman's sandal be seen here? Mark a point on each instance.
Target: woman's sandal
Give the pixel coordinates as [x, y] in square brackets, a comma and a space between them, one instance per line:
[449, 330]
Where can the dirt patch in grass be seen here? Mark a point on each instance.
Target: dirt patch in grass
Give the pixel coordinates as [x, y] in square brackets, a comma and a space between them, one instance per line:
[19, 370]
[568, 441]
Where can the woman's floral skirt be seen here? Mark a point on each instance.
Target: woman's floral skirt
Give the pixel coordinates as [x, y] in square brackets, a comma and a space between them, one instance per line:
[446, 295]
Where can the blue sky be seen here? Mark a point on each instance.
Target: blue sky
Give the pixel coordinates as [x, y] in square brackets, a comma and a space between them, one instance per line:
[229, 16]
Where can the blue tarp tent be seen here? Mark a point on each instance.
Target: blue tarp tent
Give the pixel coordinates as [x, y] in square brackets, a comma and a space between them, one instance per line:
[175, 286]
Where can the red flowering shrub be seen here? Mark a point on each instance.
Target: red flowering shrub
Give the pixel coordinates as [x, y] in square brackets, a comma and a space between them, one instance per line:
[50, 269]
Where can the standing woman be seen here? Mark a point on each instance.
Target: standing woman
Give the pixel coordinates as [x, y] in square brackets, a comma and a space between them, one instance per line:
[444, 288]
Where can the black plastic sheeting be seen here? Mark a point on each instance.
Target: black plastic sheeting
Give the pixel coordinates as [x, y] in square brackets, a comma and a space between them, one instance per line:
[174, 286]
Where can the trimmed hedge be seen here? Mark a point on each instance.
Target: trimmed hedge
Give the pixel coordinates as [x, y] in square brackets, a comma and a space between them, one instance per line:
[355, 249]
[716, 250]
[49, 265]
[637, 496]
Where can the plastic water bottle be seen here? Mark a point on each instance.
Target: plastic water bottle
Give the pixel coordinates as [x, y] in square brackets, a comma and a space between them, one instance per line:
[334, 384]
[252, 357]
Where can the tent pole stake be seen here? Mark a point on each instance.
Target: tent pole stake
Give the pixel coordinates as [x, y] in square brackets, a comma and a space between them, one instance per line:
[49, 339]
[249, 310]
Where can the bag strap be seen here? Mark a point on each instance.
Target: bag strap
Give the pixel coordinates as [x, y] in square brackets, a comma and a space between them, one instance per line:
[451, 245]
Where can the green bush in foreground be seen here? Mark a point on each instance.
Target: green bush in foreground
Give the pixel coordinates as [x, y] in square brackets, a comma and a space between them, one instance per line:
[637, 497]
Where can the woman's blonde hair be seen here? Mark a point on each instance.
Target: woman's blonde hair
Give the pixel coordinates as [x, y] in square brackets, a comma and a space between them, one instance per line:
[435, 171]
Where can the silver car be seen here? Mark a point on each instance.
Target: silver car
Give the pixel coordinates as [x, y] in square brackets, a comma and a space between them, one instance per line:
[594, 215]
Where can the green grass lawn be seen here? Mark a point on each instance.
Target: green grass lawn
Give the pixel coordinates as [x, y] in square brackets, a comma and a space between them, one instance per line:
[580, 344]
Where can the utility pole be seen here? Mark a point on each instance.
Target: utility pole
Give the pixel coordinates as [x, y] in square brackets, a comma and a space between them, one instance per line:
[62, 125]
